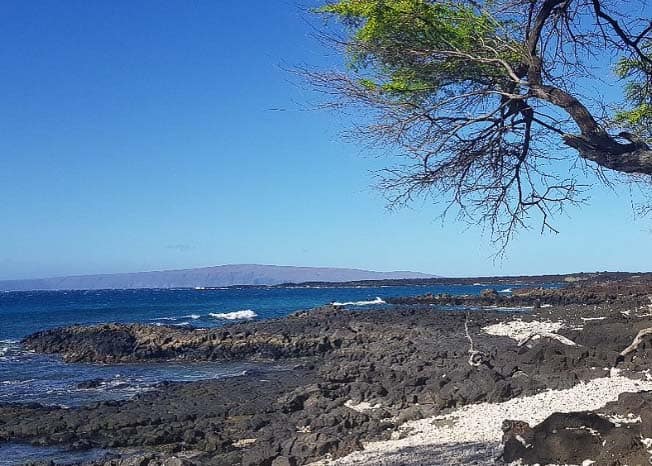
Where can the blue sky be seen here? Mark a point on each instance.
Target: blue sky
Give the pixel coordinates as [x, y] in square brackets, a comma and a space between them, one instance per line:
[143, 135]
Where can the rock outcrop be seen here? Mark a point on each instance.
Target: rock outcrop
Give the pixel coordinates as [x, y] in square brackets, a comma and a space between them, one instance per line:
[579, 294]
[618, 434]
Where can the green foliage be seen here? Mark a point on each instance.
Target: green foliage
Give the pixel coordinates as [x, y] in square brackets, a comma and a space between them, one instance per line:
[415, 22]
[638, 92]
[403, 42]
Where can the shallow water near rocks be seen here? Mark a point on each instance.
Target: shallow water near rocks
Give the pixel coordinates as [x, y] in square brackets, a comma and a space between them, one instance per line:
[12, 454]
[28, 377]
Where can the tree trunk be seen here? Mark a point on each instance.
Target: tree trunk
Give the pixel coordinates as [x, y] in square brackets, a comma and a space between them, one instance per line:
[608, 153]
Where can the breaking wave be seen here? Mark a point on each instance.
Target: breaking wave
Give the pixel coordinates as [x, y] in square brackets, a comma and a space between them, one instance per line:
[237, 315]
[506, 290]
[5, 346]
[360, 303]
[189, 316]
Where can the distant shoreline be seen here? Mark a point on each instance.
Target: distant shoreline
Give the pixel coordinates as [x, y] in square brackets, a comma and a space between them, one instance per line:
[484, 281]
[212, 277]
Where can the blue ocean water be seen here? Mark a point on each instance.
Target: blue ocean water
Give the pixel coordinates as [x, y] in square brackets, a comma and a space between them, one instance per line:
[22, 313]
[29, 377]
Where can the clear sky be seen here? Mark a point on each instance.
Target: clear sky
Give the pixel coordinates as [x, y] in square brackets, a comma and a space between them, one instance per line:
[145, 135]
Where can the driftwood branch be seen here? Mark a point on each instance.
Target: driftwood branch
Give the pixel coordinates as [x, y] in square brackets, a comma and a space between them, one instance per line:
[476, 358]
[553, 336]
[640, 336]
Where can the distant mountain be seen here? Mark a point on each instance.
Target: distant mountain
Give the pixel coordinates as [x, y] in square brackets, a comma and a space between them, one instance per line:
[221, 275]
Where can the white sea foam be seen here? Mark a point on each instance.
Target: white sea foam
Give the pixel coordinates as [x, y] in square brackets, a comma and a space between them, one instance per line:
[360, 303]
[509, 309]
[189, 316]
[17, 382]
[5, 346]
[237, 315]
[506, 290]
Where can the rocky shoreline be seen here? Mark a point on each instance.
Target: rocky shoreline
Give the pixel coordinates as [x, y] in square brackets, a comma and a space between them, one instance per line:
[631, 294]
[354, 377]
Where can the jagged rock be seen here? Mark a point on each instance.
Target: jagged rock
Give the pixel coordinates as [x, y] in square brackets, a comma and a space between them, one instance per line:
[88, 384]
[572, 438]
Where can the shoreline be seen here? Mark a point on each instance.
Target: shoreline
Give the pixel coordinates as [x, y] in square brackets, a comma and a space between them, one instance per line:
[356, 378]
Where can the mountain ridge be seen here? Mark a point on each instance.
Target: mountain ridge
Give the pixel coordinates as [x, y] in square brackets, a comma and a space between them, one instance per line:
[212, 276]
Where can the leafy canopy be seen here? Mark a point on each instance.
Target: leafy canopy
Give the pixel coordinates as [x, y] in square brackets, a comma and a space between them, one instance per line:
[401, 39]
[638, 91]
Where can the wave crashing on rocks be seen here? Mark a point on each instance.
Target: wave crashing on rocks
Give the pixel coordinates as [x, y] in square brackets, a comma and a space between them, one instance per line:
[246, 314]
[378, 300]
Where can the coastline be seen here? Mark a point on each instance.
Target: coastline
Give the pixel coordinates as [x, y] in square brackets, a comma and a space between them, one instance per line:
[356, 378]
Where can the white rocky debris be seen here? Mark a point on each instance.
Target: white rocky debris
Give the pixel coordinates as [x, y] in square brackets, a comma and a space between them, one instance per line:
[524, 332]
[362, 407]
[478, 426]
[243, 443]
[620, 420]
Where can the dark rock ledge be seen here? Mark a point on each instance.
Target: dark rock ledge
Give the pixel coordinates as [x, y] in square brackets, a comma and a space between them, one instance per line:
[620, 433]
[621, 294]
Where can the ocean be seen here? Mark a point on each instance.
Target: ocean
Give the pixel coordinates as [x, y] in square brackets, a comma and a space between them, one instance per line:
[30, 377]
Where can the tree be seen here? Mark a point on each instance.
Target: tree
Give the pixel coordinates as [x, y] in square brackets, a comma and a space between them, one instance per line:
[485, 101]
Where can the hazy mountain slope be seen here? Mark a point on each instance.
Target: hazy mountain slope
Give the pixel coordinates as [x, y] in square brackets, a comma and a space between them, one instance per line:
[223, 275]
